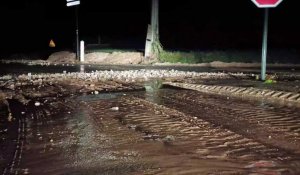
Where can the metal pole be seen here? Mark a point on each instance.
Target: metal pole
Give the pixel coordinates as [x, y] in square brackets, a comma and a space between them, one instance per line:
[264, 45]
[77, 34]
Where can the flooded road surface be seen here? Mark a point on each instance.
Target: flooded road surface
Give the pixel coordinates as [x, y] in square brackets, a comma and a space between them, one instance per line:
[166, 131]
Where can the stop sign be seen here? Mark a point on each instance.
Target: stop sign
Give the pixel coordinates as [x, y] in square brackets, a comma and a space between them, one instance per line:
[266, 3]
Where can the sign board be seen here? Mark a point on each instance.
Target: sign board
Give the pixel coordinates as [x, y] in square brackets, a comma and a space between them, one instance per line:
[72, 3]
[266, 3]
[52, 43]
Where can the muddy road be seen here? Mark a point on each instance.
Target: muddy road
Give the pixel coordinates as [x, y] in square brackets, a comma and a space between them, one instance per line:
[71, 127]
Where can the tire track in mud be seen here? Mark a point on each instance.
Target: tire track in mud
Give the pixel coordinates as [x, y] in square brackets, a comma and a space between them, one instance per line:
[197, 132]
[196, 137]
[271, 96]
[13, 166]
[35, 150]
[143, 136]
[144, 139]
[102, 145]
[272, 123]
[5, 152]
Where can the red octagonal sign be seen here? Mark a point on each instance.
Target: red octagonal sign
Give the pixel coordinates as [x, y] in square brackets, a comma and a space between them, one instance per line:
[266, 3]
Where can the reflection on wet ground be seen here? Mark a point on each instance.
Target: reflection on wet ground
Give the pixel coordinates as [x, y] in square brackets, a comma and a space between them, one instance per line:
[165, 131]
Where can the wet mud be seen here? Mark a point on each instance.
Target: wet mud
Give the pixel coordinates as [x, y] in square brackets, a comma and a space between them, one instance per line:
[70, 126]
[166, 131]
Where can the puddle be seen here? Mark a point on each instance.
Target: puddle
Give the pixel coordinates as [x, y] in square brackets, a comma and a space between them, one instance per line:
[100, 96]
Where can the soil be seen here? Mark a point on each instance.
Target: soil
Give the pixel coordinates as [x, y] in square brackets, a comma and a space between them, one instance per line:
[62, 57]
[114, 58]
[98, 58]
[131, 58]
[50, 124]
[78, 124]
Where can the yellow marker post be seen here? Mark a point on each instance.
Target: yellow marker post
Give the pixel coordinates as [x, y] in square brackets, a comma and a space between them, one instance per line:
[51, 43]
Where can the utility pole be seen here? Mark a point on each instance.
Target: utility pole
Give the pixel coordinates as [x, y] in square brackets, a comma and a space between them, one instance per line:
[153, 31]
[155, 20]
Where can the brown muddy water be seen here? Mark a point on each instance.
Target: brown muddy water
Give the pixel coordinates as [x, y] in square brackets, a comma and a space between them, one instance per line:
[165, 131]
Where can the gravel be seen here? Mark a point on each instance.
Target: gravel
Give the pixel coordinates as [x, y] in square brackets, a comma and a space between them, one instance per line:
[128, 75]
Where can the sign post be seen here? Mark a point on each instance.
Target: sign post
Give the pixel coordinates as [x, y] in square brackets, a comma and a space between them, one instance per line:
[266, 4]
[264, 46]
[71, 3]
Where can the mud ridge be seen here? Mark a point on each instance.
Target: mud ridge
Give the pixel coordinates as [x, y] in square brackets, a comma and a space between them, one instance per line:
[271, 96]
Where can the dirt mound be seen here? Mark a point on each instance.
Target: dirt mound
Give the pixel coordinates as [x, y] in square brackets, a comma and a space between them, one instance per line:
[62, 57]
[98, 57]
[114, 58]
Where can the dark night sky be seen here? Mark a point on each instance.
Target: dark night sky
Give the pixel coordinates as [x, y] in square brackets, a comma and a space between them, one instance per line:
[28, 25]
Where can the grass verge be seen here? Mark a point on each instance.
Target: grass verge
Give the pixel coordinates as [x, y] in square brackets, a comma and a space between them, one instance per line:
[243, 56]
